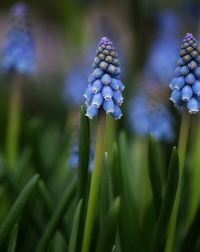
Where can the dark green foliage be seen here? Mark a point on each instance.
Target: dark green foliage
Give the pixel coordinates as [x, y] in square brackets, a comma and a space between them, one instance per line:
[128, 221]
[13, 239]
[105, 190]
[154, 174]
[107, 234]
[167, 203]
[192, 236]
[51, 228]
[75, 228]
[17, 208]
[84, 154]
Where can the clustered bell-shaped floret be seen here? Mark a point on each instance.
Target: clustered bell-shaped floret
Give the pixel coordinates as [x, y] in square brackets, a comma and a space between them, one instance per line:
[105, 87]
[185, 85]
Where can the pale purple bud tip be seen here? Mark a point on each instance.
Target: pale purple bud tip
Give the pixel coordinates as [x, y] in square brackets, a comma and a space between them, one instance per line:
[20, 9]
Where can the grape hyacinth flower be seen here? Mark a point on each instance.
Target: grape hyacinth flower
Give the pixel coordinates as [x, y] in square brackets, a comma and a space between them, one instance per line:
[105, 87]
[104, 94]
[185, 95]
[185, 85]
[18, 53]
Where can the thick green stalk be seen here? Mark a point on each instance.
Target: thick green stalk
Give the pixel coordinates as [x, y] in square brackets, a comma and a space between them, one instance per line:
[95, 180]
[110, 134]
[183, 137]
[12, 138]
[195, 173]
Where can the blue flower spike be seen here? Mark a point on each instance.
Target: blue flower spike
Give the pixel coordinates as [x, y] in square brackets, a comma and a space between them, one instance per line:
[19, 51]
[105, 87]
[185, 85]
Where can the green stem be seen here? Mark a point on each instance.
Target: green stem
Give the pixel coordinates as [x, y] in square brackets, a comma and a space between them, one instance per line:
[110, 134]
[95, 180]
[183, 137]
[12, 138]
[195, 174]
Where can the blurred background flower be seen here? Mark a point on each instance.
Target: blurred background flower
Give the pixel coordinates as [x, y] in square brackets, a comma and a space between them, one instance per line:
[75, 81]
[164, 47]
[19, 52]
[148, 111]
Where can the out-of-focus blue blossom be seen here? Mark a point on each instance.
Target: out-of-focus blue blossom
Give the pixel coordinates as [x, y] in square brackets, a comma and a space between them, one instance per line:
[167, 21]
[105, 87]
[149, 114]
[75, 84]
[74, 157]
[185, 85]
[76, 78]
[18, 53]
[162, 52]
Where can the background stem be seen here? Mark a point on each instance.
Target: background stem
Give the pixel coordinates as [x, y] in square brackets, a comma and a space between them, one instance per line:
[95, 180]
[12, 138]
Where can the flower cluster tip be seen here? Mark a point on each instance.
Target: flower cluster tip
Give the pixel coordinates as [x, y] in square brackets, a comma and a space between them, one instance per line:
[105, 87]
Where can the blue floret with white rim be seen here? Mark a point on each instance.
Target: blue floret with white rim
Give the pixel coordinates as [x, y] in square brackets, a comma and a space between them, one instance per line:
[105, 87]
[185, 85]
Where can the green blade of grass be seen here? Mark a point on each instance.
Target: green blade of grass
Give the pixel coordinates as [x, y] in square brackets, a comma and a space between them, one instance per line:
[168, 202]
[84, 154]
[13, 239]
[113, 249]
[47, 200]
[104, 191]
[49, 249]
[45, 196]
[107, 235]
[56, 217]
[128, 226]
[154, 174]
[17, 208]
[75, 228]
[192, 235]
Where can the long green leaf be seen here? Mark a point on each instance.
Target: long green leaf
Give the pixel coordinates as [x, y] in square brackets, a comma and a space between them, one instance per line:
[107, 235]
[154, 174]
[113, 249]
[13, 239]
[45, 196]
[56, 217]
[49, 249]
[75, 228]
[48, 201]
[104, 191]
[168, 202]
[84, 154]
[17, 208]
[129, 219]
[192, 235]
